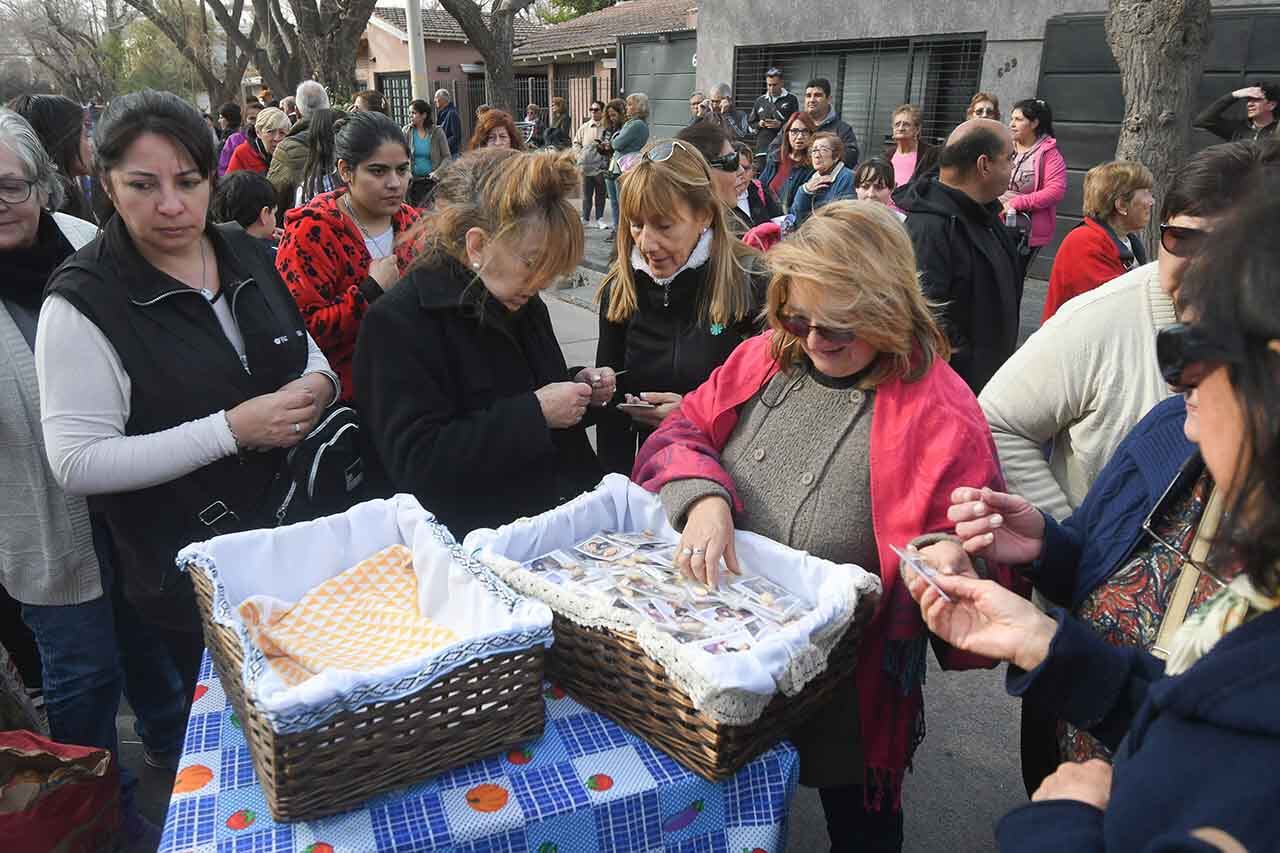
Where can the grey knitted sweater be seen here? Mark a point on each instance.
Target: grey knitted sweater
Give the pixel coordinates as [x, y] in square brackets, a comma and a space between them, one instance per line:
[800, 461]
[46, 543]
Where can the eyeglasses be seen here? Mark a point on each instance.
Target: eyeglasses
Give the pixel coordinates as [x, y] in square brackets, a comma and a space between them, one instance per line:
[822, 149]
[662, 152]
[799, 326]
[985, 112]
[1186, 477]
[800, 131]
[15, 190]
[1187, 355]
[1182, 242]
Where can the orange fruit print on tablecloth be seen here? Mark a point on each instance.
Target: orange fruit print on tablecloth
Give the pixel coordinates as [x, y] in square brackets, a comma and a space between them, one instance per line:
[487, 797]
[193, 777]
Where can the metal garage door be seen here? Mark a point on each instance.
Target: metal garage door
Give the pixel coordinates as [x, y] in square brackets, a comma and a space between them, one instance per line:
[1079, 77]
[662, 68]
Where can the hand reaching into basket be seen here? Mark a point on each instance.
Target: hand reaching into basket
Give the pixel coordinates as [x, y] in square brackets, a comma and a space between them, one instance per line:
[707, 539]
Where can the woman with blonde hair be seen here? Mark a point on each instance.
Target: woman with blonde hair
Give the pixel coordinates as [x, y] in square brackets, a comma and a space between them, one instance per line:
[1107, 243]
[678, 298]
[841, 431]
[983, 105]
[458, 372]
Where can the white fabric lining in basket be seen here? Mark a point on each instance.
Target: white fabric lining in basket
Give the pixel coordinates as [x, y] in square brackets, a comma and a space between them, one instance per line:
[732, 689]
[453, 589]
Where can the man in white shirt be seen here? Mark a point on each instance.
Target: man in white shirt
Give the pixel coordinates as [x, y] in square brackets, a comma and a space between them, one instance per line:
[592, 163]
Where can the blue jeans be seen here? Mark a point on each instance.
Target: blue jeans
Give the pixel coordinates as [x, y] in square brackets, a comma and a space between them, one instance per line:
[611, 187]
[89, 652]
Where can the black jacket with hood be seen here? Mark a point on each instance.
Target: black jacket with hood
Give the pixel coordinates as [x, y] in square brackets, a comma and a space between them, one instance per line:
[968, 267]
[445, 379]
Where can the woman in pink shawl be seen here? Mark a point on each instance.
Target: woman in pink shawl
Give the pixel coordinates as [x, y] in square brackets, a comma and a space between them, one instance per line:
[840, 431]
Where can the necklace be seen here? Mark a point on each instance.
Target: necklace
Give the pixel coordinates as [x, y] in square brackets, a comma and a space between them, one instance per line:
[208, 293]
[369, 238]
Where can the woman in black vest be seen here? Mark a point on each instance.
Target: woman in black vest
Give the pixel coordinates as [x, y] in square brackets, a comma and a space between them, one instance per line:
[174, 366]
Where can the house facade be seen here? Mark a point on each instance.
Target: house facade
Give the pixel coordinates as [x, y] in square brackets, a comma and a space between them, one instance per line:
[936, 55]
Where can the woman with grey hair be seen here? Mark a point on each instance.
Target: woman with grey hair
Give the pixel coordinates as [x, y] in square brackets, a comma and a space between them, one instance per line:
[48, 559]
[626, 144]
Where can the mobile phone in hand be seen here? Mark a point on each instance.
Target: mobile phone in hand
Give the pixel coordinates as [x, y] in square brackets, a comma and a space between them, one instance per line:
[637, 406]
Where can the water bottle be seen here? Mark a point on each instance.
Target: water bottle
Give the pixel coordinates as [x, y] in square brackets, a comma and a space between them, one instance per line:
[1011, 218]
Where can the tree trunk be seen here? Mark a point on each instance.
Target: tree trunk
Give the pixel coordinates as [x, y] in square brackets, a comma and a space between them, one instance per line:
[493, 36]
[1159, 46]
[329, 36]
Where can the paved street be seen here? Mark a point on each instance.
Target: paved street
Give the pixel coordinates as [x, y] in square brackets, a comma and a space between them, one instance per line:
[966, 772]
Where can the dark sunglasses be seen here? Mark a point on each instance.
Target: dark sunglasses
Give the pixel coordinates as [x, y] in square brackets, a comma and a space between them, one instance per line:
[662, 152]
[799, 326]
[1187, 356]
[1182, 242]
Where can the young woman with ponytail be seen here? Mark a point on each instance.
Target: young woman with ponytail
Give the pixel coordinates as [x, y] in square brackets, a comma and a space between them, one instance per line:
[458, 373]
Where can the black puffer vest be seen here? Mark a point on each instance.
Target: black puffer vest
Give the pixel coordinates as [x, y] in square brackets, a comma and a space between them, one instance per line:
[181, 367]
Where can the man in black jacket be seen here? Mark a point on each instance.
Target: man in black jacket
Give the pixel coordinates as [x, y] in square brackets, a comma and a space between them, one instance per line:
[968, 263]
[1261, 100]
[771, 110]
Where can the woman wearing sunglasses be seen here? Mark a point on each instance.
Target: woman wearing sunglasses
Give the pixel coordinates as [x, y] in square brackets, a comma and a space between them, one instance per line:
[831, 180]
[846, 406]
[1192, 716]
[731, 175]
[679, 296]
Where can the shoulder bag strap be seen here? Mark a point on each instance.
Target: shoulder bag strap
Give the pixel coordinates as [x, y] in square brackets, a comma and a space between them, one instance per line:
[1189, 576]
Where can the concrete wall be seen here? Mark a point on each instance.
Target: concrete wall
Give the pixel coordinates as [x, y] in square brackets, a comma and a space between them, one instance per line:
[1014, 31]
[387, 54]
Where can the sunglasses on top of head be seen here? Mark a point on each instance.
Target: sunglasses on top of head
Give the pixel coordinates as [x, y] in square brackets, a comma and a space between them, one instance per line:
[662, 152]
[798, 325]
[1182, 242]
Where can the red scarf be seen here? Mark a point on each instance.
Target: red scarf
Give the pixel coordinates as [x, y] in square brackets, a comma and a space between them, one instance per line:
[928, 437]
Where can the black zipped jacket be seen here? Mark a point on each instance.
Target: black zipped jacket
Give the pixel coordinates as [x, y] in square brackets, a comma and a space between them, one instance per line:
[445, 380]
[181, 367]
[664, 346]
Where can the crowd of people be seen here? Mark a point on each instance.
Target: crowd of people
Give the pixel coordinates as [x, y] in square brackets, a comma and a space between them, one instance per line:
[793, 340]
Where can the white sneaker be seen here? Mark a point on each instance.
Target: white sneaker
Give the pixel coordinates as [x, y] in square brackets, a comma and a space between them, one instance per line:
[602, 225]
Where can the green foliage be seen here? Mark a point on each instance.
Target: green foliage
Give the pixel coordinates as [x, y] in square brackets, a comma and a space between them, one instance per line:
[150, 60]
[559, 11]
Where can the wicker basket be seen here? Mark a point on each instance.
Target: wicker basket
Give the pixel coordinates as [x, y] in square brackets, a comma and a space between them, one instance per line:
[610, 673]
[479, 709]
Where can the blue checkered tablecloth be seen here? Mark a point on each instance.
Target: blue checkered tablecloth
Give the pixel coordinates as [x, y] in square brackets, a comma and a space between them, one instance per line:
[585, 785]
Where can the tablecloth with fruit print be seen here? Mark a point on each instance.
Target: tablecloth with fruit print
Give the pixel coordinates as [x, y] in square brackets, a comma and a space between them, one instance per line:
[585, 785]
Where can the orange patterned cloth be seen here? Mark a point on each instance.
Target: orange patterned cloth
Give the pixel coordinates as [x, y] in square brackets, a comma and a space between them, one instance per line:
[362, 619]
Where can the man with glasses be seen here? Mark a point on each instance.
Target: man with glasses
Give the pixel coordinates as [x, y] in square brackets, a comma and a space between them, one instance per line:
[733, 121]
[1090, 373]
[699, 108]
[586, 141]
[1260, 101]
[771, 111]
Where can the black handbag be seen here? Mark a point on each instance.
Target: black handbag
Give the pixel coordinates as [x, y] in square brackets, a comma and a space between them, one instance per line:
[322, 473]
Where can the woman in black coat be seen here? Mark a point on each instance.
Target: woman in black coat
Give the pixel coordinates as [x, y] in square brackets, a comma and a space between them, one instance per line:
[459, 376]
[679, 297]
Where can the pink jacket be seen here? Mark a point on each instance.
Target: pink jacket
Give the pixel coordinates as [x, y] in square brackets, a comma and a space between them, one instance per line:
[927, 438]
[1041, 204]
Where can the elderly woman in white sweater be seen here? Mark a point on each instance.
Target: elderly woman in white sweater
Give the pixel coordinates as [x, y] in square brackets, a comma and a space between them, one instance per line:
[48, 559]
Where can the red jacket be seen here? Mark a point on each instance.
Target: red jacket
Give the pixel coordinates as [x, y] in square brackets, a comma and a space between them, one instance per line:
[247, 158]
[1089, 256]
[928, 437]
[323, 260]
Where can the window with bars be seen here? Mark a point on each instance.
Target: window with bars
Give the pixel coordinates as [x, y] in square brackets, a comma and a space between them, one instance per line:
[396, 90]
[870, 78]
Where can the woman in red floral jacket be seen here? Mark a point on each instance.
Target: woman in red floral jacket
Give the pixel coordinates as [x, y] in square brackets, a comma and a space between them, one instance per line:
[345, 248]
